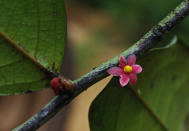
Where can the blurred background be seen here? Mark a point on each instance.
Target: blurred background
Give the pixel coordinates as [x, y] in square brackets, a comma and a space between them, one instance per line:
[97, 31]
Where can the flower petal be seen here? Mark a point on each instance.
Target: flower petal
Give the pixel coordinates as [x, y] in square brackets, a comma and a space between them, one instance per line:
[131, 59]
[124, 79]
[115, 71]
[137, 68]
[133, 79]
[122, 62]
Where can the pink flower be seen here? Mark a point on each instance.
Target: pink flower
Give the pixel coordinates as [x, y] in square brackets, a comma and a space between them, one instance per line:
[127, 70]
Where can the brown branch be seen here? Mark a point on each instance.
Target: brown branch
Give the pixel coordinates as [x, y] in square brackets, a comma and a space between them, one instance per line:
[144, 44]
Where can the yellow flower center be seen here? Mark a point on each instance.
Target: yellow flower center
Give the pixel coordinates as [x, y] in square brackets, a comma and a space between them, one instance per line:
[128, 69]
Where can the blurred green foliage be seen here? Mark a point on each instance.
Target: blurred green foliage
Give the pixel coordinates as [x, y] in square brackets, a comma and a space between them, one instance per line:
[137, 16]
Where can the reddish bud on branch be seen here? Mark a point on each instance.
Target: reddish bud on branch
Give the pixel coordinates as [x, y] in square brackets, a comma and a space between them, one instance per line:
[60, 84]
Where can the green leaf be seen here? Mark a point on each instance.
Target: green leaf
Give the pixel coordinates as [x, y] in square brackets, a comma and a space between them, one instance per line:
[159, 101]
[38, 26]
[32, 39]
[18, 74]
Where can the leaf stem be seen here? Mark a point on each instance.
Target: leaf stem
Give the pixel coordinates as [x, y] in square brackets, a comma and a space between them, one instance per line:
[148, 41]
